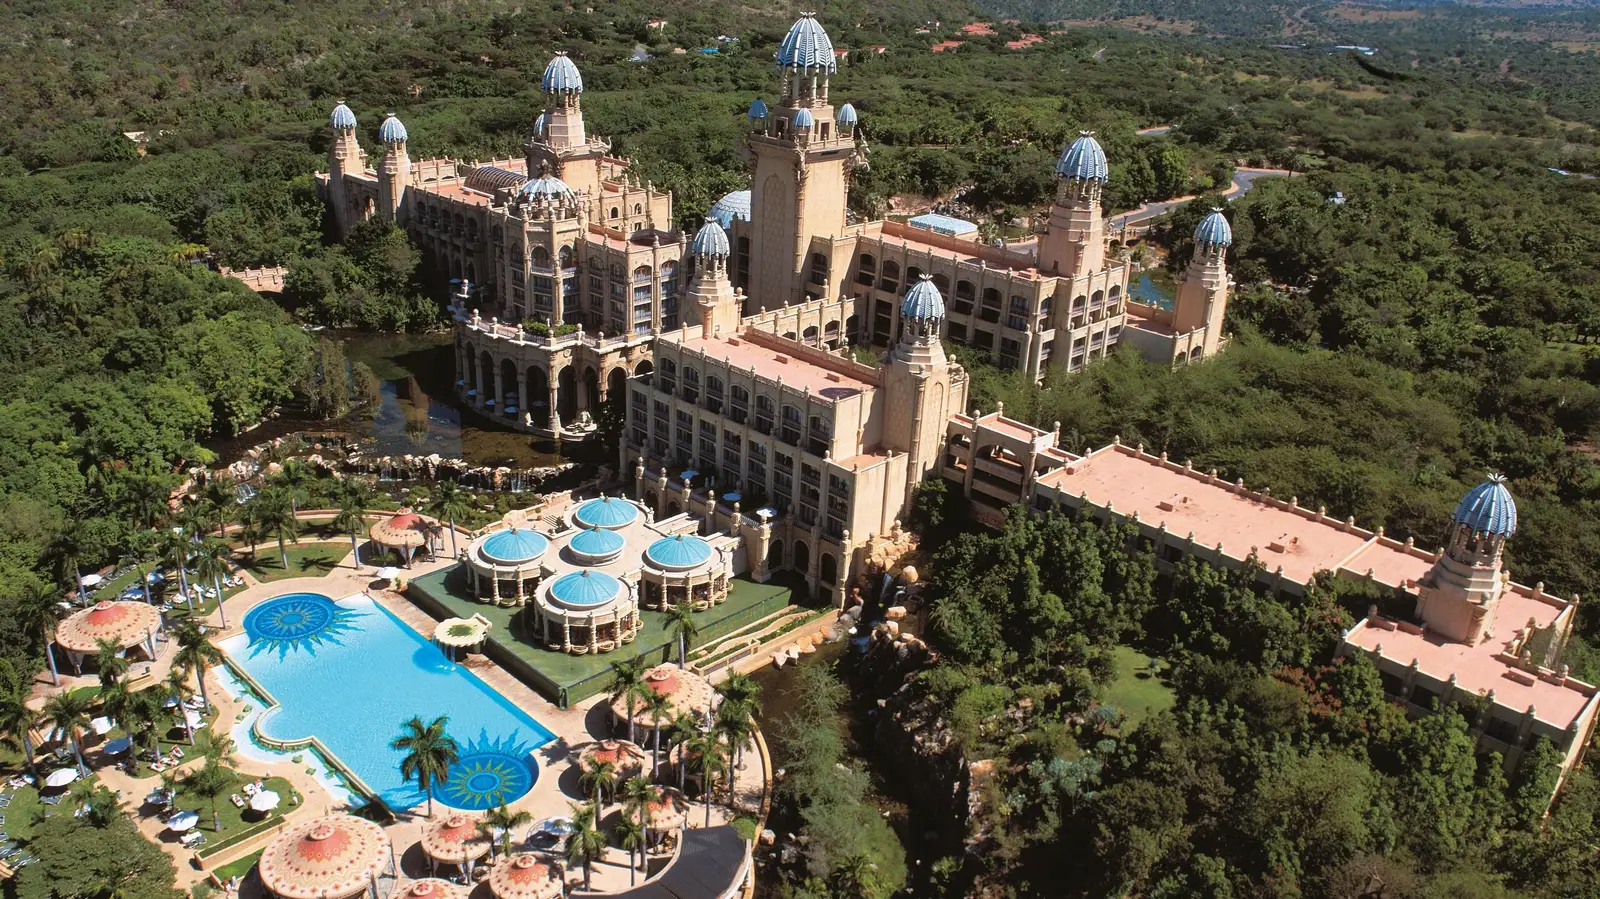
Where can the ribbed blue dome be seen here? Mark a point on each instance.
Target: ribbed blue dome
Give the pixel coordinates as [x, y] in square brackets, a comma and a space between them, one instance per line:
[923, 302]
[847, 115]
[735, 205]
[585, 589]
[546, 188]
[1083, 160]
[680, 552]
[391, 131]
[342, 117]
[538, 126]
[807, 46]
[710, 240]
[561, 75]
[1214, 230]
[516, 546]
[804, 119]
[758, 109]
[1488, 508]
[606, 512]
[596, 543]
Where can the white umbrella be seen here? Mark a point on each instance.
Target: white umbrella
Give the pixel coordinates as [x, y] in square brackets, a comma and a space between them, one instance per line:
[193, 719]
[93, 580]
[388, 574]
[182, 821]
[265, 801]
[61, 777]
[101, 726]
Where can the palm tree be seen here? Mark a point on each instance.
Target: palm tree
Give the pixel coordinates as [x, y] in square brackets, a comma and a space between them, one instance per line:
[598, 777]
[740, 689]
[17, 722]
[852, 879]
[659, 708]
[109, 662]
[175, 547]
[221, 497]
[683, 729]
[632, 838]
[587, 844]
[506, 821]
[680, 624]
[350, 519]
[214, 563]
[214, 744]
[35, 611]
[734, 725]
[115, 700]
[213, 781]
[291, 477]
[276, 517]
[429, 753]
[144, 714]
[68, 712]
[627, 677]
[195, 653]
[250, 534]
[178, 688]
[709, 749]
[449, 503]
[638, 793]
[196, 516]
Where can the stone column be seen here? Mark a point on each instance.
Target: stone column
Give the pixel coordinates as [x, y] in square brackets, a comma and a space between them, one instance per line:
[494, 584]
[566, 633]
[521, 596]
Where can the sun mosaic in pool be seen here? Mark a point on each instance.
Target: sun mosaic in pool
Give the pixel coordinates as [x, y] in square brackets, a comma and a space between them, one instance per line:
[296, 620]
[488, 773]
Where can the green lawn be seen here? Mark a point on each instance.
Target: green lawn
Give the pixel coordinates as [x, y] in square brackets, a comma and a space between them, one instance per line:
[748, 601]
[305, 560]
[1140, 689]
[232, 817]
[238, 868]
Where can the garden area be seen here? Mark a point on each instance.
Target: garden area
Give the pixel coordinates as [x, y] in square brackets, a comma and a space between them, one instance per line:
[305, 560]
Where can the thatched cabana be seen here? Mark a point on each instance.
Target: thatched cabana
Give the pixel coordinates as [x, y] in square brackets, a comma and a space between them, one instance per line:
[336, 857]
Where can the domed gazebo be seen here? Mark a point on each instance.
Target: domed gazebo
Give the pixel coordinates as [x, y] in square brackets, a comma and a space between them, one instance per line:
[336, 857]
[669, 811]
[455, 840]
[524, 877]
[405, 532]
[609, 512]
[124, 624]
[629, 758]
[686, 692]
[429, 888]
[505, 567]
[684, 568]
[586, 611]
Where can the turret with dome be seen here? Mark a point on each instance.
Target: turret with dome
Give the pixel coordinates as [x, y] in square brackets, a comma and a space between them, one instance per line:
[1461, 595]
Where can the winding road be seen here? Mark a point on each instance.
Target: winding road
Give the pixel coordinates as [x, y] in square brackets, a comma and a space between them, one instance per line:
[1243, 180]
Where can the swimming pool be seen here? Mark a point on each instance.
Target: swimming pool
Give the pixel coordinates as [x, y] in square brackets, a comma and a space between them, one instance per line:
[350, 673]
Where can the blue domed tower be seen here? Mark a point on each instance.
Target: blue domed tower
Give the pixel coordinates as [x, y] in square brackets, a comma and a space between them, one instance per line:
[1074, 242]
[344, 159]
[559, 139]
[1202, 301]
[1462, 593]
[712, 300]
[922, 390]
[394, 173]
[801, 155]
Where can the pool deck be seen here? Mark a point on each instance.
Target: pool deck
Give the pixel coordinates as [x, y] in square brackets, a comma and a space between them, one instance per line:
[553, 793]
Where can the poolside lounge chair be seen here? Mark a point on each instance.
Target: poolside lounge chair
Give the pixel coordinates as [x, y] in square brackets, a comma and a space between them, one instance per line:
[177, 752]
[237, 800]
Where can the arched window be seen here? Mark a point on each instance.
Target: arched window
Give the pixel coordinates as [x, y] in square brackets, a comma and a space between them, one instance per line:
[866, 270]
[615, 212]
[691, 384]
[913, 275]
[820, 436]
[965, 294]
[819, 268]
[810, 335]
[1046, 304]
[738, 404]
[943, 283]
[669, 270]
[791, 426]
[891, 277]
[638, 209]
[868, 264]
[991, 305]
[541, 257]
[566, 257]
[667, 376]
[764, 413]
[714, 394]
[616, 270]
[642, 273]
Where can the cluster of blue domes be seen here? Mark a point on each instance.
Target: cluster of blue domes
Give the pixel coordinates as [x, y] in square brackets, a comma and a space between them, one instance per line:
[846, 115]
[561, 75]
[1214, 230]
[546, 188]
[515, 547]
[923, 302]
[342, 117]
[1084, 160]
[1488, 509]
[733, 205]
[807, 46]
[678, 553]
[585, 589]
[391, 131]
[606, 512]
[710, 240]
[597, 544]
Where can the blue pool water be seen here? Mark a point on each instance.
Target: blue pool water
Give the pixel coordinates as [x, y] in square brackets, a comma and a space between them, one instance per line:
[350, 673]
[1150, 293]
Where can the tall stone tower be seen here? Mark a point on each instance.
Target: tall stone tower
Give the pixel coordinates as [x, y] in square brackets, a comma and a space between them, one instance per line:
[1074, 241]
[921, 394]
[1459, 599]
[394, 173]
[800, 165]
[344, 158]
[712, 301]
[559, 139]
[1203, 293]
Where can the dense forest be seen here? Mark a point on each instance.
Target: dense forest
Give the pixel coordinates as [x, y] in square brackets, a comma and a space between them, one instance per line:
[1387, 350]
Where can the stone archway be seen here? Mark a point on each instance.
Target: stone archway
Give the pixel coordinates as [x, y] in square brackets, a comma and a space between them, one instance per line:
[486, 391]
[591, 390]
[830, 569]
[508, 384]
[616, 384]
[536, 400]
[801, 558]
[643, 368]
[775, 555]
[471, 374]
[567, 394]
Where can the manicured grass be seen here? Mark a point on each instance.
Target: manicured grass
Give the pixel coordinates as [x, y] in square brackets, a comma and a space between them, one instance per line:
[238, 868]
[747, 601]
[305, 560]
[232, 817]
[1140, 689]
